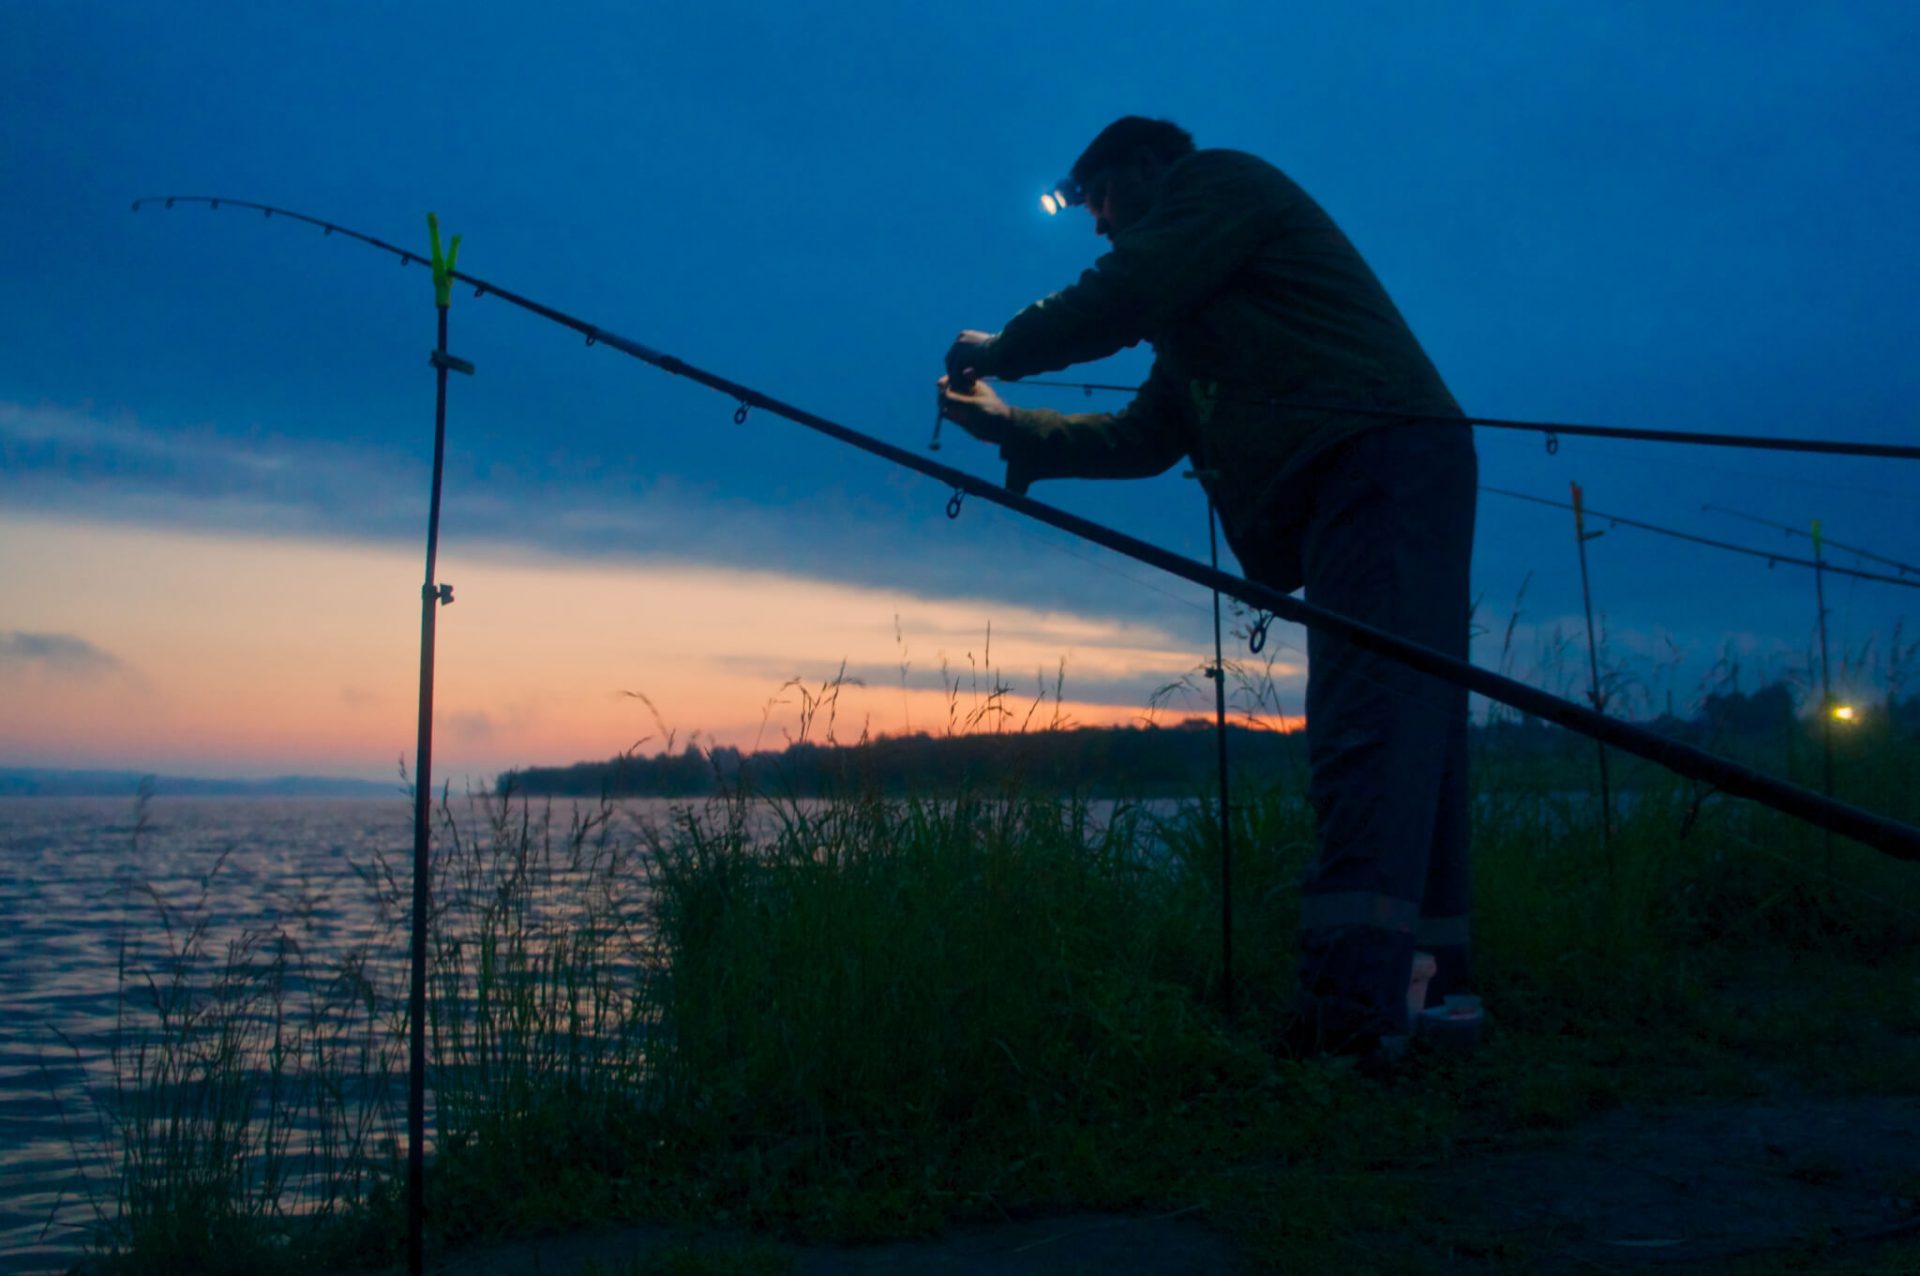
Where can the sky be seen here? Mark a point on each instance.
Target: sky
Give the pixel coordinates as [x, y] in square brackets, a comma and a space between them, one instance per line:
[215, 430]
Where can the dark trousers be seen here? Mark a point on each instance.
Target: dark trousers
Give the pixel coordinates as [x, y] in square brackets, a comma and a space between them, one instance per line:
[1388, 540]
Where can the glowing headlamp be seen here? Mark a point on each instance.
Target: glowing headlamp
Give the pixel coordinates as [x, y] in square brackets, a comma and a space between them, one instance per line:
[1066, 193]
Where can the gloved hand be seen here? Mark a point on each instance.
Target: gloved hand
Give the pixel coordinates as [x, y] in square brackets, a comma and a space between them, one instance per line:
[963, 355]
[977, 410]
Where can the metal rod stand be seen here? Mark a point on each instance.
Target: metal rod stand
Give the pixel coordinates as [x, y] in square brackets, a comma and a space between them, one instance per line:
[1826, 688]
[432, 596]
[1595, 692]
[1218, 673]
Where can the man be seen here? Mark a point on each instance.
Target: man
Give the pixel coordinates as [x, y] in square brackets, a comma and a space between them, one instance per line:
[1255, 304]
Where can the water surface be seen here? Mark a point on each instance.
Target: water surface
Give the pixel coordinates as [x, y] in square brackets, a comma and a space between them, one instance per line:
[80, 877]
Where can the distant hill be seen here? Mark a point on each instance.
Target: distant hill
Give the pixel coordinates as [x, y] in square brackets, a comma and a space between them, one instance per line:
[46, 782]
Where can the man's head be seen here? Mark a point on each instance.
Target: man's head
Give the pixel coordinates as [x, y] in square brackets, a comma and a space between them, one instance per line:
[1120, 170]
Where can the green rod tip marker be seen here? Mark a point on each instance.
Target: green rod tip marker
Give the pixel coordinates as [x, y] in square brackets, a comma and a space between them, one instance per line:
[442, 263]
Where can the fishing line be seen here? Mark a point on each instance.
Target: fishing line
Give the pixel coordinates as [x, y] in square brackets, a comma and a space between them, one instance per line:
[1789, 529]
[1090, 560]
[1098, 564]
[1881, 832]
[1772, 556]
[1552, 429]
[1256, 619]
[1812, 874]
[1796, 482]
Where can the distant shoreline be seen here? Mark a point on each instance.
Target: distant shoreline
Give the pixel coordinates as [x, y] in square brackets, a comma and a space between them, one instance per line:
[54, 782]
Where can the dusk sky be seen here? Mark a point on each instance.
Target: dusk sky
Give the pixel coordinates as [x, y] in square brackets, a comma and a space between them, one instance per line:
[215, 430]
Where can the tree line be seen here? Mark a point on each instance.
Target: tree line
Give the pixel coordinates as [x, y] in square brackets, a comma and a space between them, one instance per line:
[1142, 760]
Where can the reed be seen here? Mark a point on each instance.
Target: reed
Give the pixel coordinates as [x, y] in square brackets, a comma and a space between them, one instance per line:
[245, 1094]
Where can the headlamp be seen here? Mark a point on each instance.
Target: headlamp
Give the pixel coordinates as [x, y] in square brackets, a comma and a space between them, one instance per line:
[1066, 193]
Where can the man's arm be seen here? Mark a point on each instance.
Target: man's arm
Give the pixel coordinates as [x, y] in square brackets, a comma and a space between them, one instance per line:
[1209, 220]
[1142, 439]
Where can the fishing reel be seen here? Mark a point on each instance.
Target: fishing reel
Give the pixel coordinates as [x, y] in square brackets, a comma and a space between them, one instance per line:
[963, 384]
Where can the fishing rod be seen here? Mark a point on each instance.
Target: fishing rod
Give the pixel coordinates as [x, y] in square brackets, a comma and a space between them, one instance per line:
[1552, 429]
[1890, 836]
[1771, 556]
[1903, 568]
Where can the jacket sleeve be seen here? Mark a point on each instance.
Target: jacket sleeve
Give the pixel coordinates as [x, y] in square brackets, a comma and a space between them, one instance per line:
[1206, 224]
[1142, 439]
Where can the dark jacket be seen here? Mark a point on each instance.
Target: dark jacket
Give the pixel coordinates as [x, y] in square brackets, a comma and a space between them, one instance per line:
[1248, 293]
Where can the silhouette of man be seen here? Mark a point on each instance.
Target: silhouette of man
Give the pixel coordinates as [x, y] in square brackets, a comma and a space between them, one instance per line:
[1251, 297]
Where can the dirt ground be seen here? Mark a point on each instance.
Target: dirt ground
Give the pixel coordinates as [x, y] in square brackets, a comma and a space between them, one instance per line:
[1715, 1181]
[1833, 1180]
[1074, 1243]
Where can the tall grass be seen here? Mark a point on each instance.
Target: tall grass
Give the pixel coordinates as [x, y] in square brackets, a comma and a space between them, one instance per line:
[904, 995]
[859, 1016]
[247, 1088]
[541, 1013]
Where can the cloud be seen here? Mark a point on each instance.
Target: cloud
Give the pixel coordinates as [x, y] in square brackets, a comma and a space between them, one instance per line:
[72, 461]
[76, 463]
[62, 654]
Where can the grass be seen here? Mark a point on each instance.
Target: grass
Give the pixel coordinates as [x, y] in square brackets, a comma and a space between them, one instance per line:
[245, 1081]
[861, 1018]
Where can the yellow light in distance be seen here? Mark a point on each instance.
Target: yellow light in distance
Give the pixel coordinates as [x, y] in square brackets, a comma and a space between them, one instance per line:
[1844, 712]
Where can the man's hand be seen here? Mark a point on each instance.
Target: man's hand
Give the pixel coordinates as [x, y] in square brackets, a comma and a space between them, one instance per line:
[977, 410]
[962, 353]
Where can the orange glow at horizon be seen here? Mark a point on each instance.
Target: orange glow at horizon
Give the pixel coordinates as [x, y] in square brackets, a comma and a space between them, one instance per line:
[209, 654]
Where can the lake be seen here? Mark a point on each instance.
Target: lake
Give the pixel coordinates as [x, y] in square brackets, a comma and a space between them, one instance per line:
[75, 879]
[87, 883]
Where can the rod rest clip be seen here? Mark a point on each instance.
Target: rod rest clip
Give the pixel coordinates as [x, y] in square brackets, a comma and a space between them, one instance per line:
[442, 594]
[451, 363]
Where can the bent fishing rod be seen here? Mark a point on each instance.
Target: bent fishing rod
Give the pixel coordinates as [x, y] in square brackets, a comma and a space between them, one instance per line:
[1890, 836]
